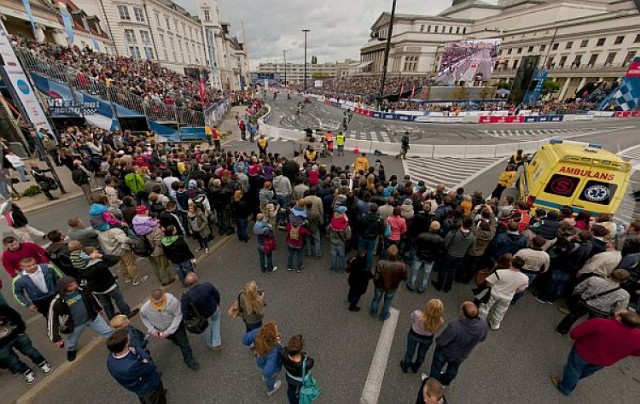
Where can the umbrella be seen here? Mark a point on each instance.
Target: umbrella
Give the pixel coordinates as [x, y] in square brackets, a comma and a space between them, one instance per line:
[502, 92]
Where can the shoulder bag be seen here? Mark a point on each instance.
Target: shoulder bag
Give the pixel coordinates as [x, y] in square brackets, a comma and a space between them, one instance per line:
[309, 391]
[577, 301]
[196, 323]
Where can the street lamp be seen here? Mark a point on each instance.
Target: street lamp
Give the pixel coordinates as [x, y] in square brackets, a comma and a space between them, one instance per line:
[284, 52]
[304, 88]
[386, 55]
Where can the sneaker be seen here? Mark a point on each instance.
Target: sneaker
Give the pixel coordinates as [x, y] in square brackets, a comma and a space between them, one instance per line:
[133, 313]
[193, 365]
[29, 376]
[45, 367]
[541, 301]
[71, 355]
[299, 270]
[142, 280]
[206, 250]
[276, 386]
[289, 269]
[423, 376]
[274, 269]
[127, 280]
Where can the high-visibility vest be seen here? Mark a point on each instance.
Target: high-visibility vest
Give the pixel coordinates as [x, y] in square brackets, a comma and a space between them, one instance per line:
[340, 139]
[311, 154]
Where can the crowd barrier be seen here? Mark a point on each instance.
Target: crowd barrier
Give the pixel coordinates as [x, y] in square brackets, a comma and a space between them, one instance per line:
[627, 114]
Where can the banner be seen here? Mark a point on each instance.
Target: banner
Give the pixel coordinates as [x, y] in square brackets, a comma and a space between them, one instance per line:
[627, 96]
[535, 87]
[202, 93]
[67, 21]
[59, 107]
[27, 8]
[15, 75]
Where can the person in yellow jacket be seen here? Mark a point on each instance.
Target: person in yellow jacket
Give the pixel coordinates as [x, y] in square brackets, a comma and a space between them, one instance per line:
[340, 143]
[262, 145]
[361, 164]
[207, 133]
[310, 155]
[505, 180]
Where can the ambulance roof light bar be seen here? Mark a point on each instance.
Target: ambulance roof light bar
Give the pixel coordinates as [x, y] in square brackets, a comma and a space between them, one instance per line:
[556, 140]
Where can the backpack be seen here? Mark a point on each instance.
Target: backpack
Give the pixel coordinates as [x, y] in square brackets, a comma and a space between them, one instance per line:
[294, 233]
[98, 223]
[79, 177]
[140, 246]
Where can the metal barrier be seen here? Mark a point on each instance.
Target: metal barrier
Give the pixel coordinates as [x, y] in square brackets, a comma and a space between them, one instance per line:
[19, 150]
[77, 80]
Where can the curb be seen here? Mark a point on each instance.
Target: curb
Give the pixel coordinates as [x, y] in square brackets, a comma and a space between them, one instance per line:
[62, 370]
[51, 204]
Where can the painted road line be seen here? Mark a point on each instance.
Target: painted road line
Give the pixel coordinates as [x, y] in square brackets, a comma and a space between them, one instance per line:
[385, 137]
[371, 391]
[374, 136]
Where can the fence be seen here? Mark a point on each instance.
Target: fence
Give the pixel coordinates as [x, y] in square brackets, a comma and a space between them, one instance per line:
[214, 115]
[76, 80]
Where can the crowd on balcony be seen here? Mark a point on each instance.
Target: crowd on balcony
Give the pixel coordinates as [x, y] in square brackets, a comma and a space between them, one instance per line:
[144, 78]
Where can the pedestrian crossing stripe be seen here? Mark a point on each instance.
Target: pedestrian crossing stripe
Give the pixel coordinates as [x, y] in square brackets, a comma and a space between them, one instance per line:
[533, 132]
[450, 171]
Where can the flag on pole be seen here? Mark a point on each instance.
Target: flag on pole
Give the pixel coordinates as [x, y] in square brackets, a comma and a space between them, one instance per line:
[67, 21]
[202, 95]
[413, 91]
[27, 8]
[401, 90]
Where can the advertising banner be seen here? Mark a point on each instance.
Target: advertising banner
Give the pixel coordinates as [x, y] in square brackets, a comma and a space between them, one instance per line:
[19, 81]
[536, 86]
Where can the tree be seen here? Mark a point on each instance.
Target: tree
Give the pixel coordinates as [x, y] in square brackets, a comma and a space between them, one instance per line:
[314, 60]
[517, 95]
[460, 93]
[320, 76]
[503, 84]
[550, 87]
[487, 91]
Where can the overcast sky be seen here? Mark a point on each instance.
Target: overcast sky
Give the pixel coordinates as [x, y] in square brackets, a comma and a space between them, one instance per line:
[338, 27]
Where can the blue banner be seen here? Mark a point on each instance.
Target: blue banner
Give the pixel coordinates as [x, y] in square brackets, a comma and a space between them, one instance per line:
[531, 119]
[96, 45]
[67, 21]
[533, 95]
[27, 8]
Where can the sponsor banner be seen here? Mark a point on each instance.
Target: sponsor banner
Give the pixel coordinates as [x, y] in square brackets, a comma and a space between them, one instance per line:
[533, 95]
[389, 116]
[413, 113]
[375, 114]
[438, 119]
[531, 119]
[407, 118]
[59, 108]
[627, 114]
[556, 118]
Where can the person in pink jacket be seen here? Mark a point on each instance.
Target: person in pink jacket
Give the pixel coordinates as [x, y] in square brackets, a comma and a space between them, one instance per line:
[395, 227]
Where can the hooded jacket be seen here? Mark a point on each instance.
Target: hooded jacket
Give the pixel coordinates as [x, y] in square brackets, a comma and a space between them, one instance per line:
[507, 243]
[371, 226]
[459, 243]
[548, 229]
[144, 225]
[339, 230]
[11, 319]
[60, 320]
[176, 249]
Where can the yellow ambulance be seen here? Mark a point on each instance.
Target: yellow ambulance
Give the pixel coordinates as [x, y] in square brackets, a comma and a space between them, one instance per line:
[577, 174]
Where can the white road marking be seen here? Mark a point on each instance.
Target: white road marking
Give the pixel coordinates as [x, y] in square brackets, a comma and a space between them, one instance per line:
[385, 137]
[371, 391]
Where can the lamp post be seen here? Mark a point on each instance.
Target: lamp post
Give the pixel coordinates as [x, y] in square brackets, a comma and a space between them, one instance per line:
[386, 55]
[284, 52]
[304, 88]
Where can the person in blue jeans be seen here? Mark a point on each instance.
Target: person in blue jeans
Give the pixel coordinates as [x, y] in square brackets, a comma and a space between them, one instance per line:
[598, 343]
[428, 247]
[456, 342]
[389, 273]
[339, 234]
[176, 249]
[424, 324]
[266, 340]
[296, 236]
[263, 230]
[240, 211]
[205, 298]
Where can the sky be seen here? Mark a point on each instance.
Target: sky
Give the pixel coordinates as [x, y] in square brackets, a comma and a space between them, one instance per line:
[338, 27]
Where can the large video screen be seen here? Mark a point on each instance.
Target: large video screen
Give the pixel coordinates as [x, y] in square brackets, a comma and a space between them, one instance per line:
[468, 60]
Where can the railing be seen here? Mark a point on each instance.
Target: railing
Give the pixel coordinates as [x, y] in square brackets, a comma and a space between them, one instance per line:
[77, 80]
[581, 67]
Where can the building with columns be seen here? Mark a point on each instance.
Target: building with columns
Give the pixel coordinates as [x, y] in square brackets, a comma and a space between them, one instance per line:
[89, 30]
[578, 41]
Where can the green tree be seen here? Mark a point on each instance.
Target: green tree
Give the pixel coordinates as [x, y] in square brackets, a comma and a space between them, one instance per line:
[503, 84]
[320, 76]
[487, 91]
[550, 87]
[460, 93]
[314, 60]
[517, 95]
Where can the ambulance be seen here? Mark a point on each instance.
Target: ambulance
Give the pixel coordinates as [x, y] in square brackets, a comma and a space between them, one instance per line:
[581, 175]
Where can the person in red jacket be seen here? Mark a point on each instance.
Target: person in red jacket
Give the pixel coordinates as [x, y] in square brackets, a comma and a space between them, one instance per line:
[15, 250]
[296, 236]
[598, 343]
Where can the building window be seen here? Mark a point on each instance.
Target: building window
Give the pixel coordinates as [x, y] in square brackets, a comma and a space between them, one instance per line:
[610, 57]
[428, 28]
[530, 49]
[207, 15]
[464, 30]
[124, 12]
[436, 30]
[550, 63]
[139, 13]
[129, 36]
[555, 46]
[131, 43]
[410, 63]
[166, 56]
[184, 29]
[569, 45]
[563, 60]
[172, 44]
[629, 58]
[450, 30]
[601, 41]
[158, 19]
[519, 51]
[515, 64]
[457, 30]
[543, 47]
[637, 40]
[162, 40]
[422, 28]
[175, 25]
[584, 43]
[592, 59]
[509, 51]
[577, 61]
[618, 40]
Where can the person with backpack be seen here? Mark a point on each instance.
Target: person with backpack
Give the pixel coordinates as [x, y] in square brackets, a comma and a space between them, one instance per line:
[101, 217]
[45, 183]
[81, 178]
[114, 241]
[18, 222]
[35, 286]
[296, 236]
[297, 365]
[176, 249]
[339, 234]
[151, 233]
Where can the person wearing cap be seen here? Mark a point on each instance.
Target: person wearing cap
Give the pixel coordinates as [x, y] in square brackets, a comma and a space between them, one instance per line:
[71, 311]
[339, 234]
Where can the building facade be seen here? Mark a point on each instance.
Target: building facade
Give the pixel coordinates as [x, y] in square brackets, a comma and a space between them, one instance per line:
[89, 30]
[295, 71]
[578, 41]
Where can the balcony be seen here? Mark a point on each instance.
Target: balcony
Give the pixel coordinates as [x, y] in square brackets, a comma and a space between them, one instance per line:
[582, 70]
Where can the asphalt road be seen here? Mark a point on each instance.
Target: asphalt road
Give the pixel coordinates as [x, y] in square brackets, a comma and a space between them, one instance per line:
[513, 365]
[318, 115]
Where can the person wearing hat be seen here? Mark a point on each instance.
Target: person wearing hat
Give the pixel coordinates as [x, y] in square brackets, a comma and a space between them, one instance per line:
[71, 311]
[339, 234]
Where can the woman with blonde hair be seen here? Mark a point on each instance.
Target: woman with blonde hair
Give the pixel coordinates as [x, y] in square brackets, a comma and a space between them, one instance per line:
[251, 306]
[424, 324]
[266, 340]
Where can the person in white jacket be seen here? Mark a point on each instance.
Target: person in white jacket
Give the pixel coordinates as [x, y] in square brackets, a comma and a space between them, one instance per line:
[17, 163]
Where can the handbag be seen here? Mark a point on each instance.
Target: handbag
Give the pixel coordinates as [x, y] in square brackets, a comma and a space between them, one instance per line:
[309, 391]
[197, 323]
[577, 301]
[269, 244]
[234, 310]
[387, 230]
